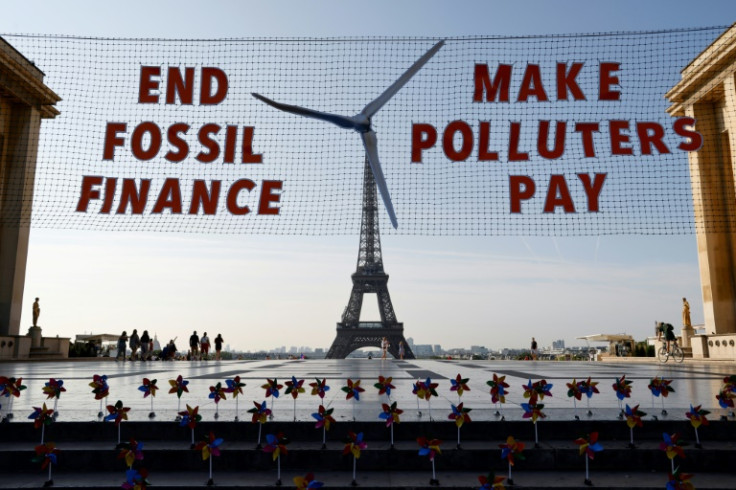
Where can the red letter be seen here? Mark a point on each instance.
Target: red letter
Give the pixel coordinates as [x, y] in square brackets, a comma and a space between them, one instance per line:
[231, 134]
[606, 80]
[206, 97]
[176, 85]
[586, 130]
[514, 154]
[130, 194]
[483, 141]
[267, 196]
[88, 192]
[232, 196]
[543, 137]
[517, 194]
[557, 184]
[112, 140]
[248, 155]
[136, 143]
[592, 190]
[466, 143]
[178, 142]
[651, 133]
[532, 85]
[419, 143]
[617, 138]
[566, 81]
[206, 141]
[681, 128]
[147, 84]
[169, 197]
[110, 186]
[499, 86]
[200, 196]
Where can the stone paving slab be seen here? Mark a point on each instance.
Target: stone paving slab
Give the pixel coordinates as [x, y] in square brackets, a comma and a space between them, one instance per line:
[694, 382]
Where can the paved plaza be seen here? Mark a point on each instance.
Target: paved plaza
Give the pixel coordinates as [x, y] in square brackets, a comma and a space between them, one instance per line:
[694, 382]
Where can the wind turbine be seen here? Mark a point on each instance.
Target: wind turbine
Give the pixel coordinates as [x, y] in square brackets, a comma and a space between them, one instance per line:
[361, 123]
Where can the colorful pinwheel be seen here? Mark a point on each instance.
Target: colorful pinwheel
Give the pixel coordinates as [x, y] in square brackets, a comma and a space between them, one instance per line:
[633, 419]
[53, 389]
[491, 481]
[324, 420]
[418, 390]
[319, 388]
[354, 444]
[622, 387]
[272, 388]
[149, 388]
[353, 390]
[589, 388]
[260, 415]
[210, 446]
[46, 455]
[460, 415]
[679, 481]
[235, 387]
[660, 388]
[100, 389]
[384, 386]
[427, 390]
[498, 392]
[575, 392]
[533, 411]
[588, 446]
[178, 386]
[511, 451]
[190, 418]
[697, 418]
[459, 385]
[41, 417]
[276, 445]
[391, 415]
[306, 482]
[294, 388]
[217, 393]
[136, 479]
[726, 397]
[131, 452]
[118, 413]
[671, 447]
[430, 448]
[537, 390]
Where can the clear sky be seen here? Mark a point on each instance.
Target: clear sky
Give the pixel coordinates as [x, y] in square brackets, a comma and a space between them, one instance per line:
[262, 292]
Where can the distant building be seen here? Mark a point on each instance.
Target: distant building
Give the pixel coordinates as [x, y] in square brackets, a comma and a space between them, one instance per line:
[438, 350]
[422, 350]
[558, 344]
[410, 342]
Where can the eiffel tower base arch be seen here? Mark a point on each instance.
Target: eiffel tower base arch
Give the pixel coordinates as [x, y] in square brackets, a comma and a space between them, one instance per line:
[368, 334]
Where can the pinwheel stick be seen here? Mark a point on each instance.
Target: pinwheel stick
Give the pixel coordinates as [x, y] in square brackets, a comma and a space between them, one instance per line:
[664, 412]
[458, 437]
[588, 402]
[697, 439]
[259, 435]
[152, 414]
[43, 428]
[419, 412]
[392, 434]
[99, 414]
[324, 436]
[536, 435]
[434, 475]
[354, 466]
[575, 407]
[294, 409]
[118, 433]
[631, 441]
[510, 481]
[278, 470]
[178, 405]
[354, 403]
[192, 436]
[211, 467]
[429, 409]
[56, 399]
[587, 477]
[50, 482]
[672, 461]
[236, 408]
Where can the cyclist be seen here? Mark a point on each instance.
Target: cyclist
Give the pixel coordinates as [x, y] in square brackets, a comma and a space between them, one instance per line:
[668, 331]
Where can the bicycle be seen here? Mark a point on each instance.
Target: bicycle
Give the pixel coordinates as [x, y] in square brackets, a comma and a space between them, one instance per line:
[675, 353]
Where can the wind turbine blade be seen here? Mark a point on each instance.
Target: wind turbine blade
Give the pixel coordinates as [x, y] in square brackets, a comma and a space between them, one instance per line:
[374, 106]
[342, 121]
[371, 149]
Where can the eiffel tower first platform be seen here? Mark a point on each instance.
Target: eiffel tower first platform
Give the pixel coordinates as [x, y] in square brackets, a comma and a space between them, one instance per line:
[369, 277]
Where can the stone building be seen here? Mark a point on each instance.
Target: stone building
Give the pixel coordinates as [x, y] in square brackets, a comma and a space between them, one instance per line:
[24, 102]
[707, 92]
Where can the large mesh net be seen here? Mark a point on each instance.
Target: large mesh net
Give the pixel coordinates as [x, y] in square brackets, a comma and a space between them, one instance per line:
[545, 135]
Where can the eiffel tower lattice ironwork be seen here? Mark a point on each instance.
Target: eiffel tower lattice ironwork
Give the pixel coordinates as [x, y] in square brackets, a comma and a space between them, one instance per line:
[369, 277]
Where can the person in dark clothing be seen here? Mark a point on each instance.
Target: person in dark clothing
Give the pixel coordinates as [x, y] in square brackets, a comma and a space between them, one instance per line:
[218, 347]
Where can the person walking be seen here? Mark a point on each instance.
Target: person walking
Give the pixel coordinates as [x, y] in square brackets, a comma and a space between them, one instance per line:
[535, 351]
[204, 343]
[384, 347]
[218, 347]
[134, 343]
[122, 344]
[145, 346]
[194, 346]
[401, 349]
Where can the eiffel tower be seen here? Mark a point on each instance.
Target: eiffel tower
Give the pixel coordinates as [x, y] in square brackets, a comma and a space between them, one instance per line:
[369, 277]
